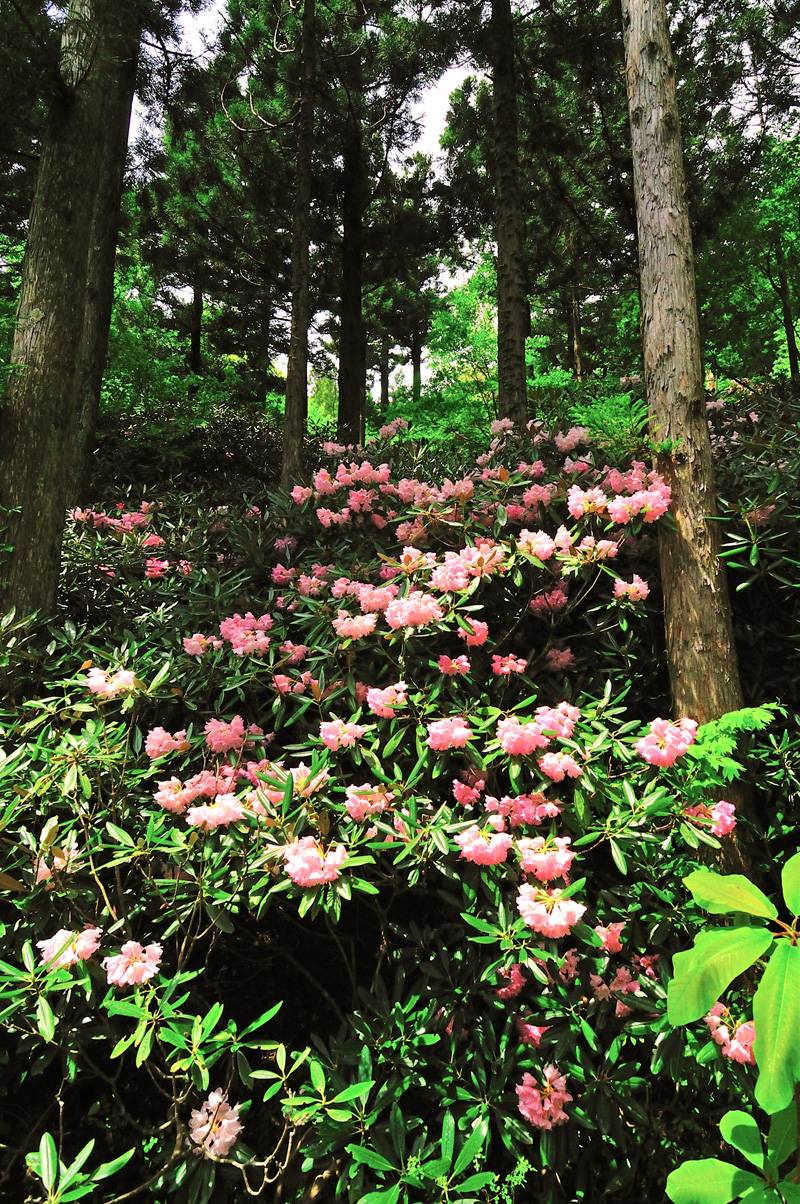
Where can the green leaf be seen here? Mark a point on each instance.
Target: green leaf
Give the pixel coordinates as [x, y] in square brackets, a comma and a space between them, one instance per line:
[390, 1196]
[48, 1161]
[724, 893]
[370, 1158]
[45, 1020]
[470, 1150]
[72, 1171]
[703, 972]
[117, 834]
[740, 1130]
[776, 1012]
[354, 1091]
[790, 1191]
[709, 1181]
[782, 1140]
[317, 1077]
[790, 880]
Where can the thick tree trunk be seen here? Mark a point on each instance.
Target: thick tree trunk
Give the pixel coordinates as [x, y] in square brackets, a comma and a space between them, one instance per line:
[786, 313]
[195, 362]
[700, 649]
[263, 359]
[577, 334]
[296, 411]
[416, 366]
[62, 322]
[512, 312]
[113, 122]
[383, 368]
[352, 333]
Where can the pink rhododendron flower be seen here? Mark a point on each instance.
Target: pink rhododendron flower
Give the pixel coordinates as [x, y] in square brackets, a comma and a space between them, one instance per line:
[547, 858]
[610, 936]
[524, 809]
[482, 848]
[721, 817]
[560, 720]
[153, 541]
[134, 964]
[199, 645]
[224, 737]
[454, 668]
[109, 686]
[68, 947]
[544, 911]
[543, 1104]
[531, 1034]
[62, 861]
[160, 742]
[568, 970]
[503, 666]
[518, 739]
[301, 494]
[478, 635]
[215, 1126]
[448, 733]
[560, 765]
[367, 800]
[465, 794]
[558, 659]
[415, 610]
[308, 864]
[336, 734]
[515, 983]
[666, 741]
[735, 1039]
[635, 591]
[549, 603]
[154, 568]
[536, 543]
[354, 627]
[384, 702]
[224, 809]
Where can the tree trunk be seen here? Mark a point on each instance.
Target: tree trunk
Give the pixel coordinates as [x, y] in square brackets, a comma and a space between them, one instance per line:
[67, 282]
[296, 410]
[113, 124]
[195, 364]
[509, 226]
[577, 336]
[352, 334]
[786, 313]
[263, 361]
[383, 368]
[700, 649]
[416, 366]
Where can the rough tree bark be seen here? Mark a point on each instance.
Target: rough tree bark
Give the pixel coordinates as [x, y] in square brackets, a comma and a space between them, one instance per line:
[700, 649]
[512, 311]
[352, 334]
[296, 411]
[47, 422]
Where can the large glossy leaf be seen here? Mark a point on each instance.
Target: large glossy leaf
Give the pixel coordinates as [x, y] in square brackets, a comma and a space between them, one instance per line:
[790, 880]
[782, 1140]
[725, 893]
[741, 1131]
[702, 973]
[709, 1181]
[776, 1011]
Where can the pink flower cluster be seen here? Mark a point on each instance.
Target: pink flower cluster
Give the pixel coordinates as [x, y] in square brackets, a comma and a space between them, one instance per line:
[524, 809]
[542, 1104]
[160, 742]
[133, 965]
[448, 733]
[107, 685]
[366, 800]
[546, 912]
[483, 848]
[515, 983]
[721, 817]
[308, 864]
[545, 858]
[666, 741]
[503, 666]
[67, 948]
[337, 734]
[735, 1040]
[245, 633]
[385, 702]
[634, 591]
[215, 1126]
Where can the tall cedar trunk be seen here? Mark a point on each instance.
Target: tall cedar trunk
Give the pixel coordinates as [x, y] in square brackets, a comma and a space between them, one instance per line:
[383, 368]
[352, 333]
[195, 364]
[296, 411]
[416, 366]
[786, 312]
[577, 335]
[700, 649]
[263, 361]
[512, 311]
[113, 124]
[47, 421]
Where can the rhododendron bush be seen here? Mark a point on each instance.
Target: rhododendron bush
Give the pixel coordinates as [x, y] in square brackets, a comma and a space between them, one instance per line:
[335, 856]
